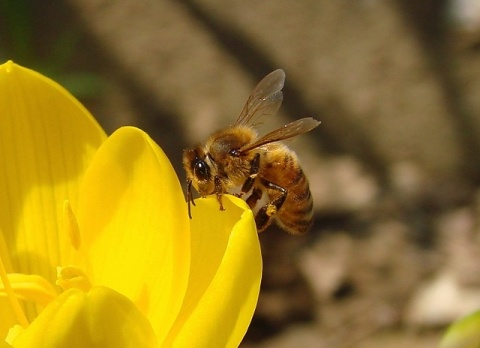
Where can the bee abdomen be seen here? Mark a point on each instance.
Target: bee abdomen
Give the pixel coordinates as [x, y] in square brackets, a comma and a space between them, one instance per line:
[296, 213]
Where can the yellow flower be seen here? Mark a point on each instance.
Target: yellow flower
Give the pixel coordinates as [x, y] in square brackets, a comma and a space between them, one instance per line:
[96, 248]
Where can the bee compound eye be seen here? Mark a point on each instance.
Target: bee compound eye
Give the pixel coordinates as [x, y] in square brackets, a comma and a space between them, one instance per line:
[201, 170]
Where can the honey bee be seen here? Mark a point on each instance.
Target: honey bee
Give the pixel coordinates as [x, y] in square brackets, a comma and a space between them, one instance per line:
[262, 167]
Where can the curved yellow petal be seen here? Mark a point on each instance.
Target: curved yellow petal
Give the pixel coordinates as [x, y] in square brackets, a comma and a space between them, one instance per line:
[47, 139]
[225, 276]
[134, 226]
[101, 318]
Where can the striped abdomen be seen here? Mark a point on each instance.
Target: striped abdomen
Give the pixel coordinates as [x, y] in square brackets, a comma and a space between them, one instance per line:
[279, 165]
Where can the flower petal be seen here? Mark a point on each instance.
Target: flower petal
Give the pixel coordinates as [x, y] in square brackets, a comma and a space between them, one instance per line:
[134, 226]
[464, 333]
[4, 344]
[100, 318]
[225, 275]
[47, 139]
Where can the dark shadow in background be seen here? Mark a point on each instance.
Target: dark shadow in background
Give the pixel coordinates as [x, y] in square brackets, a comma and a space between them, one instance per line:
[258, 64]
[430, 19]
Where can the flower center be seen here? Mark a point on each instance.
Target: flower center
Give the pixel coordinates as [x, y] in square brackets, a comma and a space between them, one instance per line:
[71, 225]
[35, 288]
[72, 277]
[12, 299]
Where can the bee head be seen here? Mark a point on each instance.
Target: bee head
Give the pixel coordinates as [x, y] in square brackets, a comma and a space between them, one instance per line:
[198, 168]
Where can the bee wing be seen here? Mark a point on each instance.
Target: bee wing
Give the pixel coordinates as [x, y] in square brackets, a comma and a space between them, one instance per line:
[290, 130]
[265, 99]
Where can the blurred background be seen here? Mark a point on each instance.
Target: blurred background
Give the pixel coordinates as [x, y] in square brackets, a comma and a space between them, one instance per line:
[394, 168]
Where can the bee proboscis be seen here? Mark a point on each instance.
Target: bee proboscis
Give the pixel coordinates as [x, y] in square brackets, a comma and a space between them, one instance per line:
[262, 167]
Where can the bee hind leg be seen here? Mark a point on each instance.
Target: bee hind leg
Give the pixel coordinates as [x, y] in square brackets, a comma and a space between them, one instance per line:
[265, 215]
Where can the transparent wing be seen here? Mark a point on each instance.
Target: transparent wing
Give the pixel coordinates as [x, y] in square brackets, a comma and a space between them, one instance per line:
[265, 99]
[290, 130]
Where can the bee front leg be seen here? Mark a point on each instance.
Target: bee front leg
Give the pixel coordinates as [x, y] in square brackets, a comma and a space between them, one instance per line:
[264, 216]
[219, 191]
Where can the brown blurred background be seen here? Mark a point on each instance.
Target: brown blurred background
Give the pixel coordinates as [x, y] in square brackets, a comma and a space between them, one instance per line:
[394, 255]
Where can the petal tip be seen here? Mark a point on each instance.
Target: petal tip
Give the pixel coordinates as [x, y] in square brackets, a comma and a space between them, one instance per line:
[8, 66]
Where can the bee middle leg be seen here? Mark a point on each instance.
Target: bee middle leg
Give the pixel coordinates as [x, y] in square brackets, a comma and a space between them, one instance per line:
[252, 175]
[264, 216]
